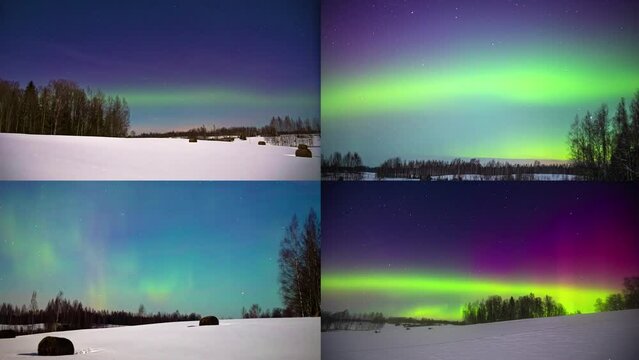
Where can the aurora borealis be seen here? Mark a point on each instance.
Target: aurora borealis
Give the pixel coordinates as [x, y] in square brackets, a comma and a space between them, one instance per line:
[424, 250]
[208, 247]
[179, 64]
[485, 79]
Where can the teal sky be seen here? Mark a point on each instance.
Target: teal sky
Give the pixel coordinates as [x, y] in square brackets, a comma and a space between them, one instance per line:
[209, 247]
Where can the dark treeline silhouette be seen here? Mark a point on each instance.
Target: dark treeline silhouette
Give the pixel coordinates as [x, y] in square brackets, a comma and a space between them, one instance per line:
[300, 271]
[627, 299]
[289, 126]
[426, 170]
[347, 167]
[255, 311]
[409, 321]
[203, 132]
[343, 320]
[605, 148]
[63, 314]
[497, 309]
[61, 108]
[277, 126]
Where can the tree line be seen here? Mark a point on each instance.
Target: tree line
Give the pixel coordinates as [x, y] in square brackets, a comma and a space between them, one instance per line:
[63, 314]
[350, 166]
[203, 132]
[426, 170]
[255, 311]
[495, 308]
[605, 148]
[344, 320]
[336, 162]
[61, 108]
[627, 299]
[300, 270]
[277, 126]
[287, 125]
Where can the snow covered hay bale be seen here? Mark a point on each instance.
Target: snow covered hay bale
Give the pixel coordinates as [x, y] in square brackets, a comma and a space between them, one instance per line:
[7, 334]
[52, 345]
[303, 151]
[209, 320]
[261, 143]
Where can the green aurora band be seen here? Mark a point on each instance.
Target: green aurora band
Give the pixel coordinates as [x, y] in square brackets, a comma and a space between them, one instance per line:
[211, 96]
[400, 284]
[405, 91]
[523, 80]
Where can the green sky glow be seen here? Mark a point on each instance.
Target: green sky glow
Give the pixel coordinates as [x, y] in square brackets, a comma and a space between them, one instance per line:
[114, 245]
[457, 290]
[536, 81]
[210, 96]
[517, 104]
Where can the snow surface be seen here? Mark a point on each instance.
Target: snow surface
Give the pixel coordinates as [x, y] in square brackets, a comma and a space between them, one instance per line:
[48, 157]
[601, 336]
[278, 339]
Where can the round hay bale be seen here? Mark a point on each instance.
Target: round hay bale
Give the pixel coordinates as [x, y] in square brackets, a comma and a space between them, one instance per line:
[52, 345]
[7, 334]
[303, 153]
[302, 146]
[192, 139]
[261, 143]
[209, 320]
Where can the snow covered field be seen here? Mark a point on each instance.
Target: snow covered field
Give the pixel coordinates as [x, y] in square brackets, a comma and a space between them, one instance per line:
[47, 157]
[601, 336]
[276, 339]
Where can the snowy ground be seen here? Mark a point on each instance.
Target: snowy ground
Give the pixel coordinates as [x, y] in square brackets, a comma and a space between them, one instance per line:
[276, 339]
[602, 336]
[47, 157]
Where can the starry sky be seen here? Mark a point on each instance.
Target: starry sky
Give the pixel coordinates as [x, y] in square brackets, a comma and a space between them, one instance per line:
[178, 63]
[209, 248]
[424, 250]
[487, 79]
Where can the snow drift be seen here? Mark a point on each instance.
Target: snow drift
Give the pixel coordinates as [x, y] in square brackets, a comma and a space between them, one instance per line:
[611, 335]
[48, 157]
[278, 339]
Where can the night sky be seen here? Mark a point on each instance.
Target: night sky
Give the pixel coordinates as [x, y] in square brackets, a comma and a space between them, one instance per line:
[178, 63]
[489, 79]
[209, 247]
[423, 250]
